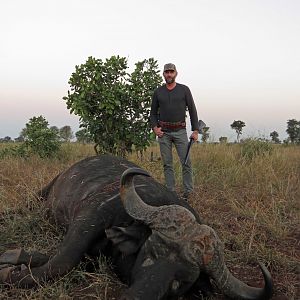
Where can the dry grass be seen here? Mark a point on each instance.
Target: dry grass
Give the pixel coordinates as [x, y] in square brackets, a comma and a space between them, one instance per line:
[252, 201]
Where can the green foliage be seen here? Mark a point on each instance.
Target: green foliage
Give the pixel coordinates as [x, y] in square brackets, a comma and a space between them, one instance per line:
[293, 130]
[6, 139]
[14, 151]
[21, 136]
[65, 133]
[274, 136]
[205, 134]
[40, 139]
[238, 127]
[55, 129]
[83, 136]
[251, 148]
[37, 139]
[223, 139]
[113, 105]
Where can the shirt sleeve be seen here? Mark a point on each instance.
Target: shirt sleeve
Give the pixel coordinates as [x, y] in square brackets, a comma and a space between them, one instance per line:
[154, 110]
[192, 110]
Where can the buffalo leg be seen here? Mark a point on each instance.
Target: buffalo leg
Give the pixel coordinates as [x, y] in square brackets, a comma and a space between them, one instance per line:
[20, 256]
[82, 232]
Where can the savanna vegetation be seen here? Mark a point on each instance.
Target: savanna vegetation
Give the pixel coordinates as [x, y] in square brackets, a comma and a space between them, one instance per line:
[249, 193]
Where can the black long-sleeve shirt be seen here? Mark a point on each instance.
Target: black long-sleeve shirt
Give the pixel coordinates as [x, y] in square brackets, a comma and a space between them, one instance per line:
[170, 105]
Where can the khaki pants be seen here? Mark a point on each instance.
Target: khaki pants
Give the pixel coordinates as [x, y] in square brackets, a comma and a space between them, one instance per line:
[180, 140]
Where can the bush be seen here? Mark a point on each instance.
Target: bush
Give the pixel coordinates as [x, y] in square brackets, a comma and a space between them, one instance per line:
[40, 139]
[16, 151]
[252, 148]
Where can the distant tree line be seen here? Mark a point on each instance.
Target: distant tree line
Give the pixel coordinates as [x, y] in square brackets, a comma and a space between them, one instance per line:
[38, 138]
[65, 133]
[293, 131]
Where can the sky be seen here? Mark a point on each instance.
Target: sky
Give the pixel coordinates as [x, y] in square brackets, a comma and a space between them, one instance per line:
[240, 58]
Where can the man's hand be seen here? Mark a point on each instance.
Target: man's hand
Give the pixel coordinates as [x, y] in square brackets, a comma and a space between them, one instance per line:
[158, 131]
[194, 135]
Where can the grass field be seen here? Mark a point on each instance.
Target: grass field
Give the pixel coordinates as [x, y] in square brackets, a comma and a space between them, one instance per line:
[250, 194]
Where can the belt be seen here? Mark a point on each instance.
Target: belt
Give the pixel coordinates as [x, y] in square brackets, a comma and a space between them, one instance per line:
[172, 125]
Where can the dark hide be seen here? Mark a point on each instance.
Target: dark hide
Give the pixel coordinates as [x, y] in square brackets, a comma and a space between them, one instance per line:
[158, 245]
[86, 200]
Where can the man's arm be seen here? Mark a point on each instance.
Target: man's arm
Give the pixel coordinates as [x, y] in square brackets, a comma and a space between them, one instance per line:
[154, 116]
[192, 110]
[193, 114]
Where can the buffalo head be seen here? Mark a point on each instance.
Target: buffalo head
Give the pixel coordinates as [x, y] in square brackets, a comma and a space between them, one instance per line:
[178, 251]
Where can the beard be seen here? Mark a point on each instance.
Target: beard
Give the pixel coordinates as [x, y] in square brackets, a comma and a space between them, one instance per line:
[169, 80]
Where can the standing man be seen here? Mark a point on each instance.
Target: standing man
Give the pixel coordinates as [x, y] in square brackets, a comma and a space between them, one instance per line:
[167, 117]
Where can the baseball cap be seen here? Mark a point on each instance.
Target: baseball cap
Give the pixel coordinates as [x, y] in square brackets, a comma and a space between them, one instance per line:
[169, 66]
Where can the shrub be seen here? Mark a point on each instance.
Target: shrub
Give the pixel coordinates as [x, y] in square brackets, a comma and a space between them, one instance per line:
[40, 139]
[252, 148]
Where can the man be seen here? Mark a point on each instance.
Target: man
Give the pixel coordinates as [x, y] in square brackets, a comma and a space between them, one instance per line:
[167, 117]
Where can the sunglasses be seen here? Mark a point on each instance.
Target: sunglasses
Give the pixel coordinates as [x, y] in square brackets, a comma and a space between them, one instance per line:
[169, 71]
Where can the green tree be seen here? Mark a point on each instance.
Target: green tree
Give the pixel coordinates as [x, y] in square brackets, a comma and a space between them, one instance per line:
[6, 139]
[238, 127]
[19, 139]
[223, 139]
[205, 134]
[66, 133]
[22, 134]
[114, 105]
[293, 130]
[55, 129]
[274, 136]
[40, 139]
[83, 136]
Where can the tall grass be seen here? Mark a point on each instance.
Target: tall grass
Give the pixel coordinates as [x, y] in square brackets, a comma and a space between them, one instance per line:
[251, 200]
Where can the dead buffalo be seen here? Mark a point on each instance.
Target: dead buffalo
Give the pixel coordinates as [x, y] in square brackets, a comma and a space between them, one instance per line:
[156, 241]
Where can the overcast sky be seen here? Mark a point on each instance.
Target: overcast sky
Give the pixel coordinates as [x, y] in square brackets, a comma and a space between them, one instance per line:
[240, 58]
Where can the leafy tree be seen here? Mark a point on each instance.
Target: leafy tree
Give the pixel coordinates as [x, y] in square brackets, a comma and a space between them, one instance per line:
[66, 133]
[40, 139]
[19, 139]
[205, 134]
[274, 136]
[83, 136]
[114, 105]
[238, 127]
[293, 130]
[6, 139]
[223, 139]
[55, 129]
[21, 136]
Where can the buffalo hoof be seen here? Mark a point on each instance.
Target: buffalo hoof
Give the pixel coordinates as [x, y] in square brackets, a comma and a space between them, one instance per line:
[12, 256]
[20, 256]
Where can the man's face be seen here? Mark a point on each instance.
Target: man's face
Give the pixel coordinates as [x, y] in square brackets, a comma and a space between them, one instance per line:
[170, 76]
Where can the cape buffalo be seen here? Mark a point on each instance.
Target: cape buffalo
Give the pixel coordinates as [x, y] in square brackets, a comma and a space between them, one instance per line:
[157, 242]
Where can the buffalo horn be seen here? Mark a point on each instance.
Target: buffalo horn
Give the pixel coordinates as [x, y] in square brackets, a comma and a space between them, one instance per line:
[132, 202]
[172, 220]
[236, 289]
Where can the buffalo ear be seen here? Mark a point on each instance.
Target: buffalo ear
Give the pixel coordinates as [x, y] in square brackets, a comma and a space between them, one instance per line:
[128, 239]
